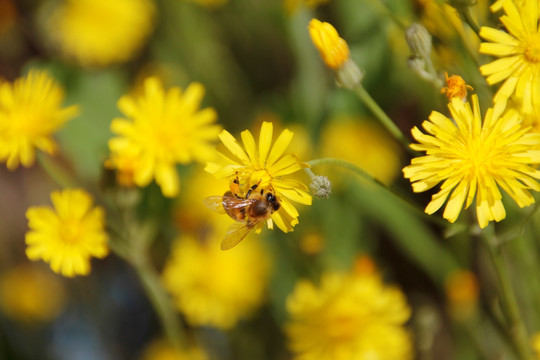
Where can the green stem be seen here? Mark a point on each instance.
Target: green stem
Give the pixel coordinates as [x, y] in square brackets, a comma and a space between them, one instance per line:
[55, 172]
[359, 171]
[160, 300]
[517, 329]
[467, 16]
[381, 115]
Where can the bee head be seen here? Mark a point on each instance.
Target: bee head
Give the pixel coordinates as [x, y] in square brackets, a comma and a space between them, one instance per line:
[271, 198]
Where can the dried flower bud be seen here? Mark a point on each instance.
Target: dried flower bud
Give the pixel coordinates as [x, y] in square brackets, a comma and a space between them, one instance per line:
[419, 40]
[321, 186]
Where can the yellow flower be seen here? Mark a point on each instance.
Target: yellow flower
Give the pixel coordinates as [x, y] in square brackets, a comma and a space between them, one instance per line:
[29, 294]
[348, 316]
[68, 236]
[519, 51]
[535, 343]
[461, 289]
[267, 166]
[162, 350]
[333, 49]
[472, 158]
[30, 113]
[101, 32]
[213, 287]
[347, 138]
[456, 87]
[162, 129]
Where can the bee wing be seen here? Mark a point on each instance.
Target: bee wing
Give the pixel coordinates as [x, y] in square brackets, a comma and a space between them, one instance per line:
[236, 233]
[219, 203]
[215, 203]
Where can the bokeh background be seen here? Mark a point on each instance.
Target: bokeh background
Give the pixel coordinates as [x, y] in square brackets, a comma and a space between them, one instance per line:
[257, 63]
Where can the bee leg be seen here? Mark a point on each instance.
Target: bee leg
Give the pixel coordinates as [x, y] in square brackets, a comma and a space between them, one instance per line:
[235, 186]
[252, 188]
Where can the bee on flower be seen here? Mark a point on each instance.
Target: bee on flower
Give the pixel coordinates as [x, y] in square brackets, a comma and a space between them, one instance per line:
[262, 185]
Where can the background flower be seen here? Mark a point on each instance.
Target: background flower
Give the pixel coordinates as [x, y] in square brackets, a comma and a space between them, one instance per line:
[67, 236]
[30, 113]
[162, 129]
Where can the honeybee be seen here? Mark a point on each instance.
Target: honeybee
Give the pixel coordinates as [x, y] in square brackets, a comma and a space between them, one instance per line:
[257, 206]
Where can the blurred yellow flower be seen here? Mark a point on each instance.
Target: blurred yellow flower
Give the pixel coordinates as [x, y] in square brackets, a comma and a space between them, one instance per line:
[455, 87]
[162, 350]
[535, 343]
[265, 165]
[101, 32]
[462, 291]
[30, 113]
[213, 287]
[333, 49]
[31, 295]
[348, 316]
[67, 236]
[162, 129]
[475, 158]
[518, 48]
[364, 144]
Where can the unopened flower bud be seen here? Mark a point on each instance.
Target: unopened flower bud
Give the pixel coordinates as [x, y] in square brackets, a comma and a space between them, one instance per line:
[349, 75]
[321, 186]
[419, 40]
[418, 65]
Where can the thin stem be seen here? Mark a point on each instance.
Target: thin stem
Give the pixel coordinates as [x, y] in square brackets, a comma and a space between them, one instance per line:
[517, 330]
[359, 171]
[381, 115]
[56, 173]
[467, 16]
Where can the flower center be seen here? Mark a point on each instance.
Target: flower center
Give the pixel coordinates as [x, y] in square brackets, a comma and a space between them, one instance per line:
[532, 51]
[343, 327]
[70, 231]
[260, 175]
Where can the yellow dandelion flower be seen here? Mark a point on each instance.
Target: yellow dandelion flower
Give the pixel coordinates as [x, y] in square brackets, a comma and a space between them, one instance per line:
[265, 165]
[29, 294]
[348, 316]
[101, 32]
[162, 129]
[519, 51]
[475, 158]
[213, 287]
[455, 87]
[333, 49]
[68, 236]
[30, 113]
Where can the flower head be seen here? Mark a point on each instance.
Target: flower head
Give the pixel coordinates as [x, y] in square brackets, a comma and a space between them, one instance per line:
[213, 287]
[475, 158]
[333, 49]
[461, 288]
[455, 87]
[101, 32]
[266, 165]
[30, 294]
[162, 129]
[67, 236]
[30, 113]
[519, 51]
[348, 316]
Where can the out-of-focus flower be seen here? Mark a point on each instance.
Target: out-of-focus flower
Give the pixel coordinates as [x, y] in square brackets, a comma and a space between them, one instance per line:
[455, 87]
[162, 129]
[291, 6]
[348, 316]
[8, 16]
[101, 32]
[535, 343]
[462, 293]
[363, 144]
[266, 165]
[312, 243]
[30, 113]
[31, 295]
[518, 49]
[67, 236]
[475, 158]
[162, 350]
[213, 287]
